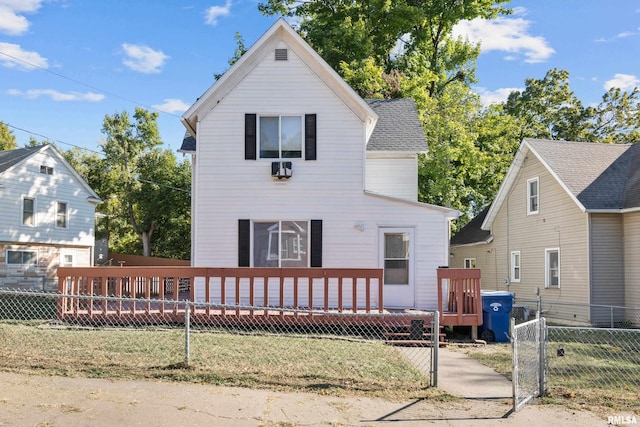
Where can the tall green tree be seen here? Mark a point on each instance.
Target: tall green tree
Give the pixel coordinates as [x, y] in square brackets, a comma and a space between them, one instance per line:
[7, 139]
[617, 118]
[138, 181]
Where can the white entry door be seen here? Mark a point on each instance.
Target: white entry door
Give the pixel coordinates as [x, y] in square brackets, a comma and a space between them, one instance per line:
[397, 259]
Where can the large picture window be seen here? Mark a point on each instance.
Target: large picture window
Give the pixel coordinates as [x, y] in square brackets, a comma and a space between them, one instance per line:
[552, 268]
[280, 137]
[281, 244]
[22, 257]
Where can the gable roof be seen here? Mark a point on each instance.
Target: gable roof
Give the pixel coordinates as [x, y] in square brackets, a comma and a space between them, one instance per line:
[598, 177]
[11, 158]
[280, 31]
[472, 233]
[398, 127]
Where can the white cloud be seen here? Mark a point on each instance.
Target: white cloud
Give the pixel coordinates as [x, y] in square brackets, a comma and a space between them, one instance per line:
[12, 21]
[623, 81]
[143, 59]
[214, 12]
[12, 56]
[172, 105]
[57, 96]
[507, 35]
[488, 97]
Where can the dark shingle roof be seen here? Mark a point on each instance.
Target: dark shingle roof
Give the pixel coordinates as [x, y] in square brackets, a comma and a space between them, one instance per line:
[596, 174]
[188, 143]
[9, 158]
[471, 232]
[398, 127]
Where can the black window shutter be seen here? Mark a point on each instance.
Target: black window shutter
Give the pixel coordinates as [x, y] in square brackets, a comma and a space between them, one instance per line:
[250, 137]
[310, 137]
[316, 243]
[244, 242]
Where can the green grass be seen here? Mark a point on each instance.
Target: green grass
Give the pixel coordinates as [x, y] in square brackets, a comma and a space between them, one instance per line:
[602, 378]
[26, 307]
[276, 361]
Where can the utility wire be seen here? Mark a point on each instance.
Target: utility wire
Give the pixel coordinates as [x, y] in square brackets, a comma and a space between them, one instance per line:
[51, 139]
[86, 85]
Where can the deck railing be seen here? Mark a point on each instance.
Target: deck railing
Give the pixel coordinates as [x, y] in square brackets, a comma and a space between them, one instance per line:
[337, 289]
[459, 298]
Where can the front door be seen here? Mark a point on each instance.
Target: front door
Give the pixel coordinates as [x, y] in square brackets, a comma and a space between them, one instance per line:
[397, 259]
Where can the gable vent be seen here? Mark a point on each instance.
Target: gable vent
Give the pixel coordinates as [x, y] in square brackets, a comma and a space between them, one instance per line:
[281, 54]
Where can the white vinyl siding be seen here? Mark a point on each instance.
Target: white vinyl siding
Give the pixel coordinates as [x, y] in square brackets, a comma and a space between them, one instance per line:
[395, 177]
[46, 190]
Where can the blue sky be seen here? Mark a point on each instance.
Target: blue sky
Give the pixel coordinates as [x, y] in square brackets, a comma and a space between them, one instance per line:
[65, 64]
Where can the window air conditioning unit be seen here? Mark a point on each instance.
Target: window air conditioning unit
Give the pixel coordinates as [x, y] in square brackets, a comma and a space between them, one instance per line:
[281, 170]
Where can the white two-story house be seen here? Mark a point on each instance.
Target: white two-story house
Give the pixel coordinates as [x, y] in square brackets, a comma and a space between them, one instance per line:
[291, 168]
[46, 218]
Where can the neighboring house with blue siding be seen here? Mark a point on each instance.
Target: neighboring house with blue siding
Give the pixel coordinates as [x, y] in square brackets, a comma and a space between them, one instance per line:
[291, 168]
[46, 217]
[566, 223]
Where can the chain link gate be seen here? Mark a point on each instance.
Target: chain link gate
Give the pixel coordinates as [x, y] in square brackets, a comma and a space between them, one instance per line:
[528, 341]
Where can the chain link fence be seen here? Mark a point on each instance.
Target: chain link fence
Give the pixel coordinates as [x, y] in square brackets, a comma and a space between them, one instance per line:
[583, 361]
[580, 314]
[529, 367]
[329, 352]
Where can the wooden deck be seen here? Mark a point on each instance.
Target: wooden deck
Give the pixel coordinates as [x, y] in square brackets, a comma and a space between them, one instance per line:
[259, 294]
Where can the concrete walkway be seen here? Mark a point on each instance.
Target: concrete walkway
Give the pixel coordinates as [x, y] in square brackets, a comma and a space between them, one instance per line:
[27, 400]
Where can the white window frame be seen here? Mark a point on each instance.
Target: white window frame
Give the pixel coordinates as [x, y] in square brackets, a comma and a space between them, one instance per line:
[279, 117]
[470, 263]
[547, 268]
[33, 213]
[66, 214]
[64, 254]
[516, 266]
[23, 251]
[530, 211]
[409, 232]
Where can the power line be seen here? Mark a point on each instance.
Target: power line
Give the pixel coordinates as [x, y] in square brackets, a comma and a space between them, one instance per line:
[86, 85]
[50, 139]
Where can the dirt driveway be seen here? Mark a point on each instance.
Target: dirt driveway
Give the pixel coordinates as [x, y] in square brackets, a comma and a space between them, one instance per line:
[28, 400]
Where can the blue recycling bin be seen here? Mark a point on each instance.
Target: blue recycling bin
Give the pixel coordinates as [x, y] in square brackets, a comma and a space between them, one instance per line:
[496, 316]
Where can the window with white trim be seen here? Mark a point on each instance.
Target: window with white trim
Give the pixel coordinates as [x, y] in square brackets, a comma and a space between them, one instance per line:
[28, 211]
[552, 268]
[22, 257]
[515, 266]
[280, 137]
[469, 263]
[61, 215]
[281, 244]
[533, 196]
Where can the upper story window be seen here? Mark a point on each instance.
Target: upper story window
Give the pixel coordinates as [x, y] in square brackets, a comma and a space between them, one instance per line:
[47, 170]
[280, 137]
[28, 212]
[533, 196]
[515, 266]
[469, 263]
[61, 215]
